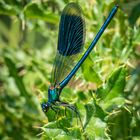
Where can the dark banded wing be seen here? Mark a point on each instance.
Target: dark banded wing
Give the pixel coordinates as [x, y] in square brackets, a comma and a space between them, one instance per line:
[70, 41]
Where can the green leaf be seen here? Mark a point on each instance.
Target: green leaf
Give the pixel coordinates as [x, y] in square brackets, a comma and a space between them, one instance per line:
[90, 109]
[34, 10]
[18, 80]
[6, 9]
[99, 112]
[131, 7]
[111, 93]
[93, 109]
[96, 129]
[89, 73]
[63, 118]
[135, 14]
[75, 132]
[64, 137]
[52, 133]
[72, 133]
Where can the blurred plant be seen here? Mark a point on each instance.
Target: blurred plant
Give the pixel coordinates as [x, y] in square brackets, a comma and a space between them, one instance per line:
[108, 95]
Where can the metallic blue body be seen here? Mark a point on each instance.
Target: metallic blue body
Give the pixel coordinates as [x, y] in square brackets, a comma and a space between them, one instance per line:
[109, 18]
[53, 95]
[55, 90]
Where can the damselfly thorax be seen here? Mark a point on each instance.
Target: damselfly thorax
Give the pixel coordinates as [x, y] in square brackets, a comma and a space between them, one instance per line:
[53, 93]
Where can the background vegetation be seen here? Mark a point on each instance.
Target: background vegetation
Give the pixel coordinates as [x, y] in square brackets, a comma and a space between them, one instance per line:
[106, 91]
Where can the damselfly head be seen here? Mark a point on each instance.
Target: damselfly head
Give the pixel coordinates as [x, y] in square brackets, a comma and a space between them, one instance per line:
[45, 107]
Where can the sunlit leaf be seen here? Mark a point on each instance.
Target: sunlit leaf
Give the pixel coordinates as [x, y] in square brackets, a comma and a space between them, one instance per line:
[112, 92]
[52, 133]
[89, 73]
[96, 129]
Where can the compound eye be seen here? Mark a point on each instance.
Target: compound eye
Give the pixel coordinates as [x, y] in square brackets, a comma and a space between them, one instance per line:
[45, 107]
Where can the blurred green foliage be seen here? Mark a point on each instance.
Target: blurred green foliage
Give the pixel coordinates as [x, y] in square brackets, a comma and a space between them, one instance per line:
[106, 91]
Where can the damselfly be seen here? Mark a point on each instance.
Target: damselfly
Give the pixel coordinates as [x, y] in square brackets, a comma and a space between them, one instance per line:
[70, 43]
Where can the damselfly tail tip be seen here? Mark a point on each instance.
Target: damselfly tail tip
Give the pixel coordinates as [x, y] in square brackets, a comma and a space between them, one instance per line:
[117, 5]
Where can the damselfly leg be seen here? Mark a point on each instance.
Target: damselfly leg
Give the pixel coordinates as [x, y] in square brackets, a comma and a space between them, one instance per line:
[73, 108]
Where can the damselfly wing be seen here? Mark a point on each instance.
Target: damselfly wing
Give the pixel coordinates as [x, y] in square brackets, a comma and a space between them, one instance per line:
[70, 42]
